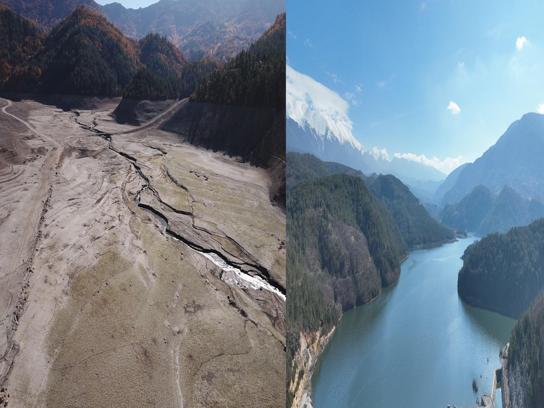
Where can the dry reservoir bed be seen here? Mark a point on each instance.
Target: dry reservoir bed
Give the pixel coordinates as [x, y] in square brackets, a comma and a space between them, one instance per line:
[135, 270]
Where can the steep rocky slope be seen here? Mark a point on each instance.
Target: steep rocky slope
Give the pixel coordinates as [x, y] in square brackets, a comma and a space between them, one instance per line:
[514, 161]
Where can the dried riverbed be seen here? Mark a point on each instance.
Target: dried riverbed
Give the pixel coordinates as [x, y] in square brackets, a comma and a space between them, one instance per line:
[135, 269]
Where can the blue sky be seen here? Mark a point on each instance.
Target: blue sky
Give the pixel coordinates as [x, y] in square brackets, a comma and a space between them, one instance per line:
[440, 78]
[129, 3]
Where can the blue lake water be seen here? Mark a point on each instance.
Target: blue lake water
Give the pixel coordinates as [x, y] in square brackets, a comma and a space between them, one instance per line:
[417, 346]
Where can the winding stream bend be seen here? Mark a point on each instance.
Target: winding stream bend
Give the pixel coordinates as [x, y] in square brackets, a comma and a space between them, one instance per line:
[417, 346]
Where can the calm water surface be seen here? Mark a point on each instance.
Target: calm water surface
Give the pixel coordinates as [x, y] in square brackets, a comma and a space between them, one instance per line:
[418, 346]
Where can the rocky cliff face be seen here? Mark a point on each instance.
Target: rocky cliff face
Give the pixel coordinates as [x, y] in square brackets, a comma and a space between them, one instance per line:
[304, 363]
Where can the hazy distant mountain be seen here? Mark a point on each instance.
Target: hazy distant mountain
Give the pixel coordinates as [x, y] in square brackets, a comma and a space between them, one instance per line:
[448, 184]
[514, 161]
[219, 29]
[47, 13]
[318, 124]
[467, 215]
[204, 28]
[483, 212]
[417, 227]
[510, 210]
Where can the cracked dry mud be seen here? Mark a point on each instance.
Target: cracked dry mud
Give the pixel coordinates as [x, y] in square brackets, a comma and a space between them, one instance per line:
[135, 270]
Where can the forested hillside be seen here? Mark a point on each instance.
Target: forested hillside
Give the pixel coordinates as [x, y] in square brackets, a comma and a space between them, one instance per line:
[343, 248]
[417, 227]
[240, 108]
[160, 76]
[254, 77]
[504, 272]
[82, 55]
[526, 359]
[20, 39]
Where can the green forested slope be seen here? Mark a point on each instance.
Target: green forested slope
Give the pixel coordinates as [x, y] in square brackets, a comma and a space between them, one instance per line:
[343, 247]
[504, 272]
[526, 359]
[417, 227]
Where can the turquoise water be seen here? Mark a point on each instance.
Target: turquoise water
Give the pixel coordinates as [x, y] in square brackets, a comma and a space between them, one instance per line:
[417, 346]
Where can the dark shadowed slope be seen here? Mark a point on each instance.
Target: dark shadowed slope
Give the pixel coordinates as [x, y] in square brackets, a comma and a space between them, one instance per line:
[83, 55]
[216, 29]
[240, 108]
[20, 39]
[525, 368]
[504, 272]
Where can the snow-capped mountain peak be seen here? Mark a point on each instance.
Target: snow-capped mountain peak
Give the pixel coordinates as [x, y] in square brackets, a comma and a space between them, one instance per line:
[313, 105]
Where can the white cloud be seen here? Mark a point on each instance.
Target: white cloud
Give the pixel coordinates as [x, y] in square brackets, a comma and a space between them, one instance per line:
[454, 108]
[350, 96]
[540, 108]
[335, 78]
[378, 153]
[291, 34]
[359, 88]
[311, 104]
[445, 165]
[521, 42]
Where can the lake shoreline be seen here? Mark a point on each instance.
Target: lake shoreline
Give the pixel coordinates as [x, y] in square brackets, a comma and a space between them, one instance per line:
[477, 326]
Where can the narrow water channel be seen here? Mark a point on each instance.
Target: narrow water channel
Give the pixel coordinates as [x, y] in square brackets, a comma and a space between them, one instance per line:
[417, 346]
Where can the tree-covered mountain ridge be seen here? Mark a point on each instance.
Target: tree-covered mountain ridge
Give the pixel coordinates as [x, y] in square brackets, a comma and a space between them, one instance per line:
[343, 248]
[417, 227]
[483, 212]
[205, 29]
[524, 374]
[504, 272]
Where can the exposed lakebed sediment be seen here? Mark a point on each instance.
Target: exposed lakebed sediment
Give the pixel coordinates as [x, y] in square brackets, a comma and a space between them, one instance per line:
[148, 273]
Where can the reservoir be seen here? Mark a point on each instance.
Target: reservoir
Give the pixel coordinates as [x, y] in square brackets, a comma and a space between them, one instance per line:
[416, 346]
